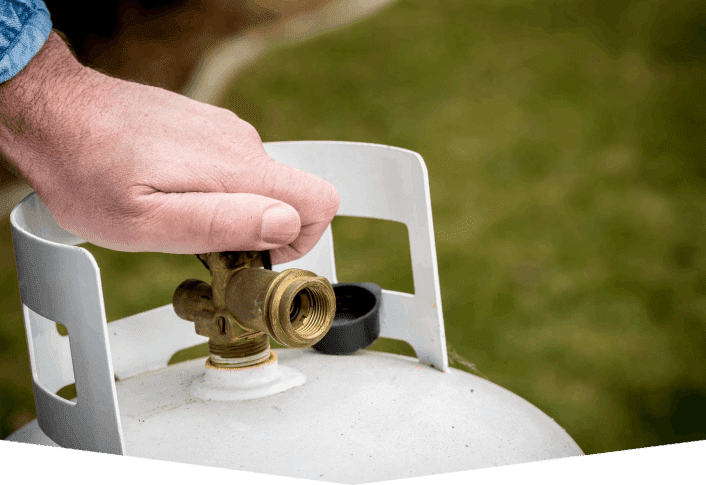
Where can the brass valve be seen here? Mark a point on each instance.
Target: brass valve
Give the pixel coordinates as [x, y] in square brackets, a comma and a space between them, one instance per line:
[244, 304]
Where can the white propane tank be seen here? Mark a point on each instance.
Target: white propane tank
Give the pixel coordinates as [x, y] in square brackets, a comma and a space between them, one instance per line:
[364, 417]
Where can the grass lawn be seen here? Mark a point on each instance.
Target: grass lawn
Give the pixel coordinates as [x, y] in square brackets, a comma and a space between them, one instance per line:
[566, 184]
[565, 148]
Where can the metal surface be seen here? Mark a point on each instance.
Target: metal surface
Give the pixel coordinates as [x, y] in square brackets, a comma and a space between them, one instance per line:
[365, 417]
[244, 304]
[390, 183]
[295, 307]
[61, 283]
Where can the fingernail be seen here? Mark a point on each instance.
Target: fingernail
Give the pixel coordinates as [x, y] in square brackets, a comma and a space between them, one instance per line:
[279, 225]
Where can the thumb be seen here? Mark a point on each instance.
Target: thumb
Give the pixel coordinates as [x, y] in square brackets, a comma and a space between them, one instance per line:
[209, 222]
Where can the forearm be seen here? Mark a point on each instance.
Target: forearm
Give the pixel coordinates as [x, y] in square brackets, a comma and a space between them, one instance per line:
[35, 106]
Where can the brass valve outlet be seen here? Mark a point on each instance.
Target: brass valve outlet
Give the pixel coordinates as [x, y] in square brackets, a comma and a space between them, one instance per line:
[245, 303]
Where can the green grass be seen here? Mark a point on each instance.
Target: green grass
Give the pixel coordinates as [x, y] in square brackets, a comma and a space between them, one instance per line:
[565, 148]
[563, 151]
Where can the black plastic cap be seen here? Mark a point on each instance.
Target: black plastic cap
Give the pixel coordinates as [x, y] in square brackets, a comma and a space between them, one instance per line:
[357, 321]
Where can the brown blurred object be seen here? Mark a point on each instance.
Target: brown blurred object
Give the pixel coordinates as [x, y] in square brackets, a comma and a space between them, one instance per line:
[162, 49]
[158, 42]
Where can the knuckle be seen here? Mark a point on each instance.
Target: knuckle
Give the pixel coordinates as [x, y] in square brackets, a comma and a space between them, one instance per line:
[133, 215]
[220, 234]
[236, 125]
[216, 227]
[249, 132]
[330, 201]
[269, 172]
[225, 113]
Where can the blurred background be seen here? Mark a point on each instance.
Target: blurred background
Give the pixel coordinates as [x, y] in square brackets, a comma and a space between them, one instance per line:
[566, 153]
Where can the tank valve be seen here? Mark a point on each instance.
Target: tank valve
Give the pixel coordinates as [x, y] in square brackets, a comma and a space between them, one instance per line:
[246, 304]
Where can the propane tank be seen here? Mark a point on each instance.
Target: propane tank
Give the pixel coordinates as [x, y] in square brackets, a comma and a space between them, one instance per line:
[323, 408]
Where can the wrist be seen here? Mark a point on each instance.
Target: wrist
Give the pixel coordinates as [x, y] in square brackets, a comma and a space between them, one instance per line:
[34, 105]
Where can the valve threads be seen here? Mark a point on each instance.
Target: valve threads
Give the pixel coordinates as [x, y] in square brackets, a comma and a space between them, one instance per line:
[308, 313]
[295, 307]
[243, 353]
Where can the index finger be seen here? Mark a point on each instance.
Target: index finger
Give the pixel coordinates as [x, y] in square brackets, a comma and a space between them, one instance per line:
[315, 200]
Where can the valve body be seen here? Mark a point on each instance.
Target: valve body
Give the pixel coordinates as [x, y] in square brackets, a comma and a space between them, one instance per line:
[246, 305]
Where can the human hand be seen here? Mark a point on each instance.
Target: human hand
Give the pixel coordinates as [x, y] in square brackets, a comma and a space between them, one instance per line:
[136, 168]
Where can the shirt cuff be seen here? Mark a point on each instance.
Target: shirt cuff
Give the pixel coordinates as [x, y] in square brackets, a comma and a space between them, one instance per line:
[28, 42]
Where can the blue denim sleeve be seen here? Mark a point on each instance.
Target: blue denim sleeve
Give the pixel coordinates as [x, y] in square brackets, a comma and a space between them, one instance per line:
[24, 27]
